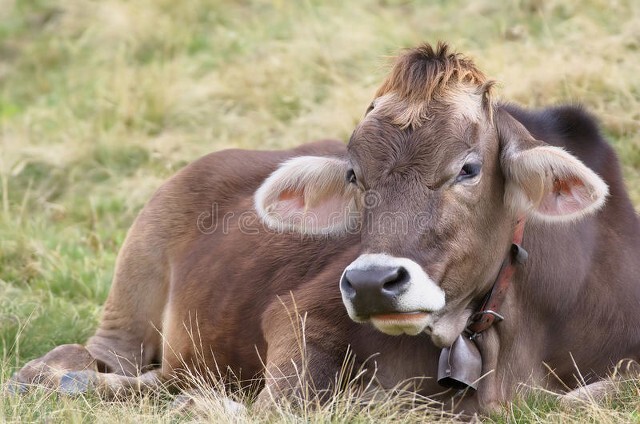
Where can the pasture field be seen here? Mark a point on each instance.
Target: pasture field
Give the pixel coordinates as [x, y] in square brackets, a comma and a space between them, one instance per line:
[102, 101]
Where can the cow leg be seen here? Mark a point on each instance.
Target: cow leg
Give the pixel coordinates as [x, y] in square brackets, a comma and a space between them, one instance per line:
[594, 392]
[128, 339]
[298, 380]
[70, 369]
[48, 370]
[111, 385]
[305, 354]
[195, 402]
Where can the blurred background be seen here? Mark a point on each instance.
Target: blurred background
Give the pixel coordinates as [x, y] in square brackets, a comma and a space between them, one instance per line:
[100, 101]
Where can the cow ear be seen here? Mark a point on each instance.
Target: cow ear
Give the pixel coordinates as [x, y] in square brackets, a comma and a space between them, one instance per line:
[309, 195]
[542, 181]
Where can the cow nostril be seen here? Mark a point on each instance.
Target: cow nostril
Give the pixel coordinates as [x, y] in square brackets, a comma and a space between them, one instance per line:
[346, 286]
[374, 282]
[396, 281]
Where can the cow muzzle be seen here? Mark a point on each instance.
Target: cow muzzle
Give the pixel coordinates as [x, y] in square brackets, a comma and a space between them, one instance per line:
[394, 294]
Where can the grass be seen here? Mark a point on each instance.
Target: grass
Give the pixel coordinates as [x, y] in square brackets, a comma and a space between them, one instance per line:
[102, 101]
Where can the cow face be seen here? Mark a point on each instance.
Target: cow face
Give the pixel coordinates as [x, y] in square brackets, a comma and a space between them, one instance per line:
[433, 186]
[434, 228]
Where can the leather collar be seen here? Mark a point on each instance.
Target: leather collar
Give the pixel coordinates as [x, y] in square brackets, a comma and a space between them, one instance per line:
[489, 312]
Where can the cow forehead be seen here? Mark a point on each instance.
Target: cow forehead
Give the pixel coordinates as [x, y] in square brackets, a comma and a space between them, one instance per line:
[457, 102]
[429, 153]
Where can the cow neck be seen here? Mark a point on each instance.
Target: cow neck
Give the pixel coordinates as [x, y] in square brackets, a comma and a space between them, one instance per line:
[489, 312]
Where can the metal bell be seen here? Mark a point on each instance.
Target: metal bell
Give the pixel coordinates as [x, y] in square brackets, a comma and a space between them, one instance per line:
[460, 365]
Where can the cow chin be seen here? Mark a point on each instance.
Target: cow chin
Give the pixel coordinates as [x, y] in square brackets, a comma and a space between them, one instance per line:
[443, 339]
[445, 328]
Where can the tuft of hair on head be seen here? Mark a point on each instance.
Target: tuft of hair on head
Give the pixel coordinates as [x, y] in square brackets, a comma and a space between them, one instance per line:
[424, 73]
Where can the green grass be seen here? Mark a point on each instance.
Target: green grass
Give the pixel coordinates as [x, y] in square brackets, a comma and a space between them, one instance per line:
[102, 101]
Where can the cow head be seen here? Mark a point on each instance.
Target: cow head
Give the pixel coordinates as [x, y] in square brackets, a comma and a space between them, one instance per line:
[435, 178]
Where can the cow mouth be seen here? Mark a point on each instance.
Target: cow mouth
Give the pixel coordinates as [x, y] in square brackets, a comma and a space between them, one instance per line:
[400, 316]
[396, 323]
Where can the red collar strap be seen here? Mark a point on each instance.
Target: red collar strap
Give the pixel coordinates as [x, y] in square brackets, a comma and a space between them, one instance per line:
[489, 312]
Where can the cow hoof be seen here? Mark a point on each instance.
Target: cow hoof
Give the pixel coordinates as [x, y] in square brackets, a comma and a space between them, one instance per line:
[593, 393]
[77, 382]
[15, 387]
[193, 404]
[182, 403]
[233, 407]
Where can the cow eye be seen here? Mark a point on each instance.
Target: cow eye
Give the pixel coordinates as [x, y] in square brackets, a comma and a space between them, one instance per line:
[469, 170]
[351, 177]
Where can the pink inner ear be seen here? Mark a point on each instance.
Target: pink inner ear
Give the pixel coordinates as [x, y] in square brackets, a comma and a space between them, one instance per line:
[328, 212]
[331, 211]
[290, 202]
[568, 195]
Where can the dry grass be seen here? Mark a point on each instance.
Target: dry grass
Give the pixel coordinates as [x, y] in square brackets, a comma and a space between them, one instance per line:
[101, 101]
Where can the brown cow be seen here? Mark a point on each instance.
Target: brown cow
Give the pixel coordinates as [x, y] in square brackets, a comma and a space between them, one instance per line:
[388, 247]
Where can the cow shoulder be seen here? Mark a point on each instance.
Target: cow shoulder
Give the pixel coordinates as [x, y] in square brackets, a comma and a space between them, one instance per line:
[215, 183]
[235, 171]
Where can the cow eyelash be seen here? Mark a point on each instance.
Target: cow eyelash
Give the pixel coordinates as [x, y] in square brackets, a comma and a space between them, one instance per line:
[469, 170]
[351, 177]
